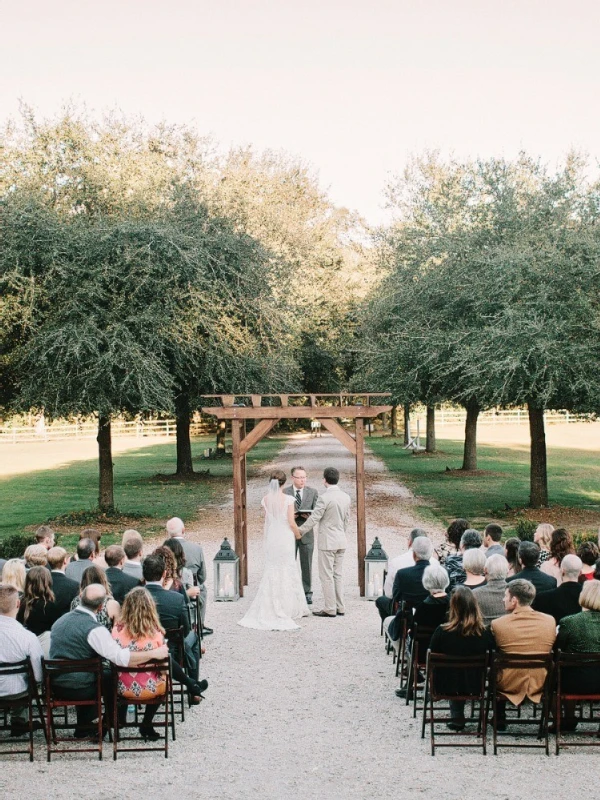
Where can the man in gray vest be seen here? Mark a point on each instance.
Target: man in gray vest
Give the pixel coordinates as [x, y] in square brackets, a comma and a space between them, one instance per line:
[78, 635]
[194, 561]
[305, 499]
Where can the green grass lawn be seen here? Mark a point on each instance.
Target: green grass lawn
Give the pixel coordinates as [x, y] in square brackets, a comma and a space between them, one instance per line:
[573, 482]
[34, 498]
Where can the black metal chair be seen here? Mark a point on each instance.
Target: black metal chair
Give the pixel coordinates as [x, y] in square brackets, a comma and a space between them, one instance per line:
[566, 661]
[26, 698]
[176, 642]
[53, 669]
[437, 665]
[504, 661]
[165, 700]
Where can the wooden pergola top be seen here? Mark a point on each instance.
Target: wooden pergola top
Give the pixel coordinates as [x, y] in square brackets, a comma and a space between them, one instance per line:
[309, 401]
[295, 412]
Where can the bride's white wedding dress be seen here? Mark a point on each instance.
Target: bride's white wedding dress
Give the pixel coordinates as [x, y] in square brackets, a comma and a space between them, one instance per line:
[280, 598]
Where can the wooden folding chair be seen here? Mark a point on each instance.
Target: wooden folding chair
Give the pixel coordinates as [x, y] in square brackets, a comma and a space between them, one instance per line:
[502, 661]
[25, 698]
[165, 699]
[54, 668]
[420, 638]
[566, 661]
[437, 665]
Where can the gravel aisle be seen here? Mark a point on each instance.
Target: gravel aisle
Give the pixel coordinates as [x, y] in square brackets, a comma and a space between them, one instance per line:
[304, 714]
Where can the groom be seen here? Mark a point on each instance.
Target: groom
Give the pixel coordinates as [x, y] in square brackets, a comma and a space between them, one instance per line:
[304, 497]
[332, 512]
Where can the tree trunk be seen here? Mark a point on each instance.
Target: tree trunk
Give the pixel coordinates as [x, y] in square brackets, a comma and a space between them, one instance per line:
[394, 420]
[538, 476]
[106, 497]
[406, 423]
[470, 449]
[184, 443]
[430, 444]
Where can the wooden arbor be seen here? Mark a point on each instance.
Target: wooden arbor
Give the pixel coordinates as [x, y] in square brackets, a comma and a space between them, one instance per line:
[348, 406]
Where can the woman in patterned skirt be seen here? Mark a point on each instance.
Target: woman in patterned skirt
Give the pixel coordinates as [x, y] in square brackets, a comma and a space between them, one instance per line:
[139, 629]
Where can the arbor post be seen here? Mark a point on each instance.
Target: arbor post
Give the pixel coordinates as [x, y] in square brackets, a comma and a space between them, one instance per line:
[361, 527]
[240, 526]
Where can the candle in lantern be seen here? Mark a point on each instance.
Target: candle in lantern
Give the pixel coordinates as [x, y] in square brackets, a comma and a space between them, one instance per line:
[370, 589]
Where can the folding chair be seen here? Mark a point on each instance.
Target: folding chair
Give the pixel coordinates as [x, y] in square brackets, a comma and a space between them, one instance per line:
[575, 661]
[25, 698]
[437, 665]
[176, 642]
[52, 669]
[420, 636]
[502, 661]
[165, 699]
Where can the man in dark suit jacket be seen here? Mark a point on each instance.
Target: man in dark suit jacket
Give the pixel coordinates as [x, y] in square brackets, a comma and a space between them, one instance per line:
[306, 498]
[529, 554]
[172, 610]
[408, 584]
[563, 601]
[120, 583]
[65, 590]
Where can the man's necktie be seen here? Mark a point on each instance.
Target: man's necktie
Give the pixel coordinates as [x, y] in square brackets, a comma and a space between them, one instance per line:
[298, 502]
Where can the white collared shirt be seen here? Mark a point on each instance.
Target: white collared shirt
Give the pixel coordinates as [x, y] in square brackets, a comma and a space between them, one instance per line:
[16, 643]
[100, 640]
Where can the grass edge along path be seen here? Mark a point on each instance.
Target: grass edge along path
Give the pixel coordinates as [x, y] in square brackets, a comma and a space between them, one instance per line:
[146, 493]
[499, 490]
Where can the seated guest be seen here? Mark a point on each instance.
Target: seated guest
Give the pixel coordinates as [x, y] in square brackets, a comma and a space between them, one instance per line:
[195, 561]
[580, 633]
[491, 596]
[588, 553]
[65, 590]
[453, 535]
[470, 540]
[474, 565]
[492, 536]
[463, 635]
[78, 635]
[511, 553]
[45, 536]
[139, 629]
[13, 574]
[408, 583]
[561, 545]
[96, 537]
[172, 612]
[36, 555]
[385, 604]
[133, 545]
[119, 582]
[529, 554]
[432, 611]
[38, 612]
[184, 575]
[109, 611]
[171, 581]
[521, 631]
[543, 537]
[563, 601]
[86, 553]
[17, 644]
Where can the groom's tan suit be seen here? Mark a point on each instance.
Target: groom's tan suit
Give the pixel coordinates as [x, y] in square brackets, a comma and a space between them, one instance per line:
[332, 513]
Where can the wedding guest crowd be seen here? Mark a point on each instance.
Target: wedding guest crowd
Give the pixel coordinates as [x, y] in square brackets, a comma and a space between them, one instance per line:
[115, 604]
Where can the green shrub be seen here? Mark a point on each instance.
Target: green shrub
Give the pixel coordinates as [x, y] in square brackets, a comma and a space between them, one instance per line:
[586, 536]
[525, 528]
[14, 546]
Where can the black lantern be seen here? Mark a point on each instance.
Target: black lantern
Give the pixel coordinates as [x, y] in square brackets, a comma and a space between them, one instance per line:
[376, 562]
[227, 573]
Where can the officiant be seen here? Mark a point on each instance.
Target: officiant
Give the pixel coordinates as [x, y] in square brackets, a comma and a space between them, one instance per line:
[305, 498]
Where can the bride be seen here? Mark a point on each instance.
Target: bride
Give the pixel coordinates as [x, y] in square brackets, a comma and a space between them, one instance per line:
[280, 598]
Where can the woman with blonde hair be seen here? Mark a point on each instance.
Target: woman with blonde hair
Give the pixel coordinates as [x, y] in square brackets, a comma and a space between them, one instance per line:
[13, 574]
[110, 609]
[543, 538]
[139, 629]
[35, 555]
[38, 612]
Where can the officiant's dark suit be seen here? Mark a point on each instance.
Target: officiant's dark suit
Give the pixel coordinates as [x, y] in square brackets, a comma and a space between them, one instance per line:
[305, 497]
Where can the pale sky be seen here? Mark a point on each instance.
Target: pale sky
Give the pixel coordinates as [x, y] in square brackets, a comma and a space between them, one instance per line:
[352, 86]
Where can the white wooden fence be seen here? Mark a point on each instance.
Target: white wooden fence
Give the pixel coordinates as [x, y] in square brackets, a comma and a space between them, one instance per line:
[89, 430]
[512, 416]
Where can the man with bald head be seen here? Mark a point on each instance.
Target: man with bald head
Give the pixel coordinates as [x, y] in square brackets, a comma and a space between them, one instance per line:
[78, 635]
[194, 561]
